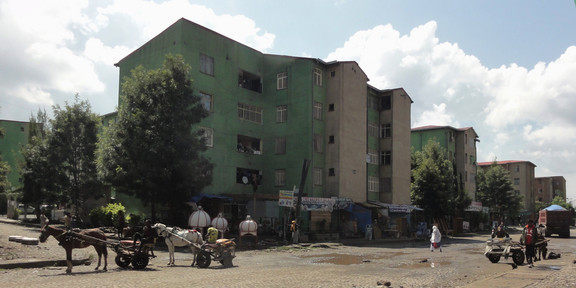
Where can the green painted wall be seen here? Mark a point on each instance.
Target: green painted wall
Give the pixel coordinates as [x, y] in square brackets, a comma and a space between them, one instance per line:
[420, 138]
[15, 137]
[230, 57]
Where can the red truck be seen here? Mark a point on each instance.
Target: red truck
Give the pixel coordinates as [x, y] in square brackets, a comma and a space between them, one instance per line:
[555, 222]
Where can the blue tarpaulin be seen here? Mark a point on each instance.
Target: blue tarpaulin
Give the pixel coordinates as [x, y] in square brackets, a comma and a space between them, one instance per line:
[363, 215]
[555, 208]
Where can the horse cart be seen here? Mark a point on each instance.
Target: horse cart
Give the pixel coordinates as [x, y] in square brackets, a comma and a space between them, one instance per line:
[506, 247]
[128, 252]
[223, 251]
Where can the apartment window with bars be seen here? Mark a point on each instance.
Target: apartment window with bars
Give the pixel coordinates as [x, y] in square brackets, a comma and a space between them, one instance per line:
[386, 131]
[206, 64]
[317, 110]
[318, 145]
[280, 177]
[250, 113]
[317, 176]
[373, 157]
[317, 77]
[208, 135]
[386, 157]
[373, 129]
[281, 113]
[373, 184]
[282, 80]
[206, 101]
[280, 144]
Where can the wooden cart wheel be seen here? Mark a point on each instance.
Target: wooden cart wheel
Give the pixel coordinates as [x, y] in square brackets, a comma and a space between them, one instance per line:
[123, 260]
[140, 260]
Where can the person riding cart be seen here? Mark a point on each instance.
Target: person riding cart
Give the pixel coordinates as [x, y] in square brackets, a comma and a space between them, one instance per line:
[211, 239]
[147, 238]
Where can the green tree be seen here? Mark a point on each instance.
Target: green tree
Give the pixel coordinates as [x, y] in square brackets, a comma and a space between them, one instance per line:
[72, 152]
[37, 172]
[433, 188]
[495, 190]
[153, 150]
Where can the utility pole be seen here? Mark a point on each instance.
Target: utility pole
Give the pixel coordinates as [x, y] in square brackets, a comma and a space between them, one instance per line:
[305, 167]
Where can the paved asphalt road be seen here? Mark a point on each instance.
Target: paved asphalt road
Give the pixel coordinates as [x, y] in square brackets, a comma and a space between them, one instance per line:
[358, 264]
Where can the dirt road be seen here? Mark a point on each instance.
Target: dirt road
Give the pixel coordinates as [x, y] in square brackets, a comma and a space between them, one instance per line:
[366, 264]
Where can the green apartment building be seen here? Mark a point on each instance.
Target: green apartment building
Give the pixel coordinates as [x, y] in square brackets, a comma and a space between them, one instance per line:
[15, 137]
[270, 112]
[460, 144]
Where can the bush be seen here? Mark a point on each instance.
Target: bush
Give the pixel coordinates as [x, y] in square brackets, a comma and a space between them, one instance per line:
[134, 220]
[106, 215]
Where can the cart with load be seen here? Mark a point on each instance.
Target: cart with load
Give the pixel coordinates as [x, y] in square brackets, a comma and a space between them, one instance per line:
[504, 247]
[224, 251]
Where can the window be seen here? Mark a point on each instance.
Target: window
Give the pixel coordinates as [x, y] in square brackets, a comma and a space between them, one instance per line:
[386, 131]
[333, 74]
[331, 139]
[517, 168]
[248, 176]
[318, 143]
[386, 158]
[281, 80]
[206, 101]
[281, 113]
[317, 176]
[331, 172]
[465, 158]
[373, 157]
[208, 135]
[386, 102]
[249, 81]
[250, 113]
[317, 110]
[317, 77]
[330, 107]
[280, 177]
[280, 144]
[249, 145]
[373, 184]
[206, 64]
[372, 129]
[373, 102]
[516, 181]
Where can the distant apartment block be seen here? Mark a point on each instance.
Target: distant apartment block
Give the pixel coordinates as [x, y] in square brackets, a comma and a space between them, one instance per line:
[547, 188]
[522, 174]
[459, 143]
[270, 112]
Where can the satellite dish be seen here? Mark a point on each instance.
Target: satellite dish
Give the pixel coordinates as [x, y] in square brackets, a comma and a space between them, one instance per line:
[245, 179]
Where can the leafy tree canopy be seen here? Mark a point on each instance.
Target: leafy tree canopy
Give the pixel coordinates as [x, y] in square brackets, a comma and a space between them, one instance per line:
[495, 190]
[433, 186]
[153, 149]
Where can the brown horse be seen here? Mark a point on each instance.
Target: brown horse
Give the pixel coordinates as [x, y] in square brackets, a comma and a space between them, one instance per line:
[70, 240]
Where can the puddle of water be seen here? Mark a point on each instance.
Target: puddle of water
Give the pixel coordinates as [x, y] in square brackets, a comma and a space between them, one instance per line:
[546, 267]
[346, 259]
[427, 264]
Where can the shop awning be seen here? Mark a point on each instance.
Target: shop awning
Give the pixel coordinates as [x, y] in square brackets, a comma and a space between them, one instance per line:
[396, 208]
[199, 197]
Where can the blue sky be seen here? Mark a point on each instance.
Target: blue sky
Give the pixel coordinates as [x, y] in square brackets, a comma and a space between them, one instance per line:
[505, 68]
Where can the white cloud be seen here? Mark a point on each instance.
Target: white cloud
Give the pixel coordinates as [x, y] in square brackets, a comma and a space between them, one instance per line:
[237, 27]
[519, 113]
[437, 116]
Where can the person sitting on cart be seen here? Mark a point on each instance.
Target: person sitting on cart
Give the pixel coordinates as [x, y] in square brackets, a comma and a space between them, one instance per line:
[211, 235]
[500, 232]
[147, 238]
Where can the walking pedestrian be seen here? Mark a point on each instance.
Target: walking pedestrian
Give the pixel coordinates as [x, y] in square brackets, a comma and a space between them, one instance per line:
[43, 220]
[528, 238]
[435, 239]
